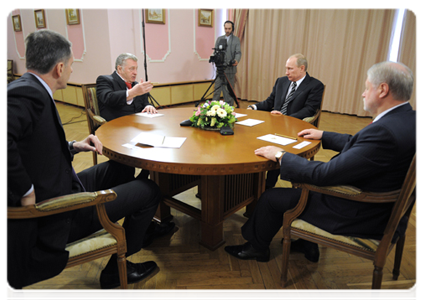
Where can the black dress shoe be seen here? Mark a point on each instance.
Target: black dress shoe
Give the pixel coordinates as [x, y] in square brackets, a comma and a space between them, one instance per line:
[135, 273]
[310, 250]
[247, 251]
[157, 230]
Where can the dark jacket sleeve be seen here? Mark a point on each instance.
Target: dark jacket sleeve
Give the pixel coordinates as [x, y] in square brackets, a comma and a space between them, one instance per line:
[269, 103]
[372, 150]
[23, 114]
[107, 94]
[312, 101]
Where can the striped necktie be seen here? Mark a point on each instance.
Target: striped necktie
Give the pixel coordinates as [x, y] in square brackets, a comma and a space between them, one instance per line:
[288, 99]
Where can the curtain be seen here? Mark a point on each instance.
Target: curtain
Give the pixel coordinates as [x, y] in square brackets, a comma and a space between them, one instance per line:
[240, 19]
[340, 46]
[407, 54]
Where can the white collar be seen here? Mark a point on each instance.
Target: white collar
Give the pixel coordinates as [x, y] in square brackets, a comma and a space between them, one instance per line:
[50, 92]
[379, 116]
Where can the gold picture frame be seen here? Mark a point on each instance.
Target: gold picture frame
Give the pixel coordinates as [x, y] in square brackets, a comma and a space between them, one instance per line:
[72, 16]
[155, 15]
[17, 25]
[205, 17]
[40, 18]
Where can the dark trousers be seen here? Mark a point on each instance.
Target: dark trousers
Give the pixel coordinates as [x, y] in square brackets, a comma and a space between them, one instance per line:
[272, 178]
[137, 201]
[267, 217]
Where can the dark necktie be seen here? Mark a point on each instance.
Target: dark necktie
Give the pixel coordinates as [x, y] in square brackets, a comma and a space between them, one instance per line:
[288, 99]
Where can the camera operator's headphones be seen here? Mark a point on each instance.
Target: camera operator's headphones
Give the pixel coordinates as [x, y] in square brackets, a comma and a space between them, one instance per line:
[232, 23]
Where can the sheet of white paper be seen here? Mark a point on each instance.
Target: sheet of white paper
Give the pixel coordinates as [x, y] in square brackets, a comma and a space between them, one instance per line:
[156, 140]
[148, 139]
[276, 139]
[147, 115]
[249, 122]
[301, 145]
[238, 115]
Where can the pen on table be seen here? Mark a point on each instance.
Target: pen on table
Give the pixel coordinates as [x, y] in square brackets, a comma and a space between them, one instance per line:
[285, 136]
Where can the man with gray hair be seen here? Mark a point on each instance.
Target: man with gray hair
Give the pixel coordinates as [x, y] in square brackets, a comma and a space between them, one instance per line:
[376, 159]
[40, 167]
[296, 95]
[119, 94]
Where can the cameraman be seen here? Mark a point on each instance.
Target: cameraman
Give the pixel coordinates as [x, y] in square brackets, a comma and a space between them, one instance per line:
[232, 58]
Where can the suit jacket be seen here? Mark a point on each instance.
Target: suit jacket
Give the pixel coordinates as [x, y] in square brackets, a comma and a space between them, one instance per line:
[38, 155]
[233, 51]
[376, 159]
[307, 98]
[111, 96]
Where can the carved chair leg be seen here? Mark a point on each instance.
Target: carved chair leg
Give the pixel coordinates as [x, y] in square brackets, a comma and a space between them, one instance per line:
[18, 294]
[398, 257]
[377, 277]
[286, 247]
[123, 277]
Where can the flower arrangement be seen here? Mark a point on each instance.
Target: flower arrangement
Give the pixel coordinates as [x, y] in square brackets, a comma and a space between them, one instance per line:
[213, 114]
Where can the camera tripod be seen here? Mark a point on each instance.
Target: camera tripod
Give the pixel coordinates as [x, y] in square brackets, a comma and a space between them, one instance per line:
[229, 95]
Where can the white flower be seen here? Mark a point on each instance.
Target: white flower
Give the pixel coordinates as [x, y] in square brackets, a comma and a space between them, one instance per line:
[221, 113]
[215, 107]
[211, 113]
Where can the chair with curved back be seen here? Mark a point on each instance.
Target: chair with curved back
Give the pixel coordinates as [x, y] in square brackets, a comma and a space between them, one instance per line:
[103, 243]
[10, 76]
[315, 119]
[375, 250]
[93, 112]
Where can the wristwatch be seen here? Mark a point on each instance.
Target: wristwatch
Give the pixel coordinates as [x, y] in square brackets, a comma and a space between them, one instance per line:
[278, 155]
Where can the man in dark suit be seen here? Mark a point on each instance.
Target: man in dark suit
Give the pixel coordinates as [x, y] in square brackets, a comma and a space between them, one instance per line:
[232, 58]
[119, 94]
[39, 168]
[376, 159]
[296, 95]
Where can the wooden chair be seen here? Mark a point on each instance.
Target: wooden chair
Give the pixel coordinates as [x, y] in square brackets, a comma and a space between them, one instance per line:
[10, 77]
[374, 250]
[315, 120]
[94, 119]
[105, 242]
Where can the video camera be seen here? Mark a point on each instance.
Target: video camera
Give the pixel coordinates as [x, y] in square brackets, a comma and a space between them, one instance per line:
[219, 53]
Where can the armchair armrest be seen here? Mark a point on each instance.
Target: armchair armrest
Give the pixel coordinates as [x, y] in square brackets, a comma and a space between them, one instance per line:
[312, 118]
[351, 193]
[98, 120]
[61, 204]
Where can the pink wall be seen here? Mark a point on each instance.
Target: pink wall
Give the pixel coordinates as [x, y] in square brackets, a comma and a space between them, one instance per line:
[104, 34]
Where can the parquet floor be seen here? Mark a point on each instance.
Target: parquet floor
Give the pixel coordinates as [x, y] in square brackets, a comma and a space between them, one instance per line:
[184, 264]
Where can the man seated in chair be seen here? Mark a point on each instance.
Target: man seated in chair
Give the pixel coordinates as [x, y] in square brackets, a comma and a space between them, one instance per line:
[297, 95]
[120, 95]
[39, 168]
[376, 159]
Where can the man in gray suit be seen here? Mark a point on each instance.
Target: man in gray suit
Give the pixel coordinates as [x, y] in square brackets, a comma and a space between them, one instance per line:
[232, 58]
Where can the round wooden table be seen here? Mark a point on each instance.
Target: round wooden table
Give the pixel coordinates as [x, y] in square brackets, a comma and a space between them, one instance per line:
[230, 176]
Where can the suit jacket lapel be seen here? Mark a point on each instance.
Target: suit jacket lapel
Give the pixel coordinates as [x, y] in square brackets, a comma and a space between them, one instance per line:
[119, 81]
[302, 86]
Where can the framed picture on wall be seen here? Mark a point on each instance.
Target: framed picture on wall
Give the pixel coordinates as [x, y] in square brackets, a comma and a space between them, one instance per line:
[155, 16]
[205, 17]
[40, 18]
[72, 16]
[16, 19]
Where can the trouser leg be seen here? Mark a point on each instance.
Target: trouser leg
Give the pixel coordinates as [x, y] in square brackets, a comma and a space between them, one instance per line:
[272, 178]
[267, 217]
[137, 201]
